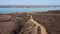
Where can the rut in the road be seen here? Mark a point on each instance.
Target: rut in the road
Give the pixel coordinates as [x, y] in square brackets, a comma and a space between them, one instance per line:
[43, 30]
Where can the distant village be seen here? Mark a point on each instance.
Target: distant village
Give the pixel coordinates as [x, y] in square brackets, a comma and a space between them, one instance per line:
[28, 6]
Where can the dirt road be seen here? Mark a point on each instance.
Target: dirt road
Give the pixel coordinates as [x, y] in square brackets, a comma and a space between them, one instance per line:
[43, 30]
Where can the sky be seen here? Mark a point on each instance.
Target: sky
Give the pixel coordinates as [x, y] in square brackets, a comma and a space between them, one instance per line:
[29, 2]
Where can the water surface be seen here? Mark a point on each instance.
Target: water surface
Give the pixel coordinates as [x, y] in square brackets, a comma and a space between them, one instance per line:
[8, 10]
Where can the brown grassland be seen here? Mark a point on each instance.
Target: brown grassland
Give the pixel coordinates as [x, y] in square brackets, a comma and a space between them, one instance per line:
[20, 23]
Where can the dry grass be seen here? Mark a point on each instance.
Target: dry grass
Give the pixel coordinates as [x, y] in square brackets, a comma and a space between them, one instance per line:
[12, 23]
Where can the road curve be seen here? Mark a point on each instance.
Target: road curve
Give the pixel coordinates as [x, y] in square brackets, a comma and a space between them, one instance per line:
[43, 30]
